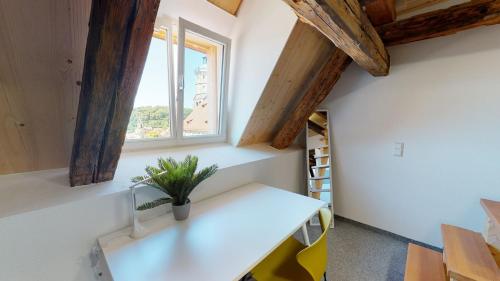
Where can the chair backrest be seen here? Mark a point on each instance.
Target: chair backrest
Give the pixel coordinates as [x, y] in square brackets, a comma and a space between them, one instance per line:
[315, 257]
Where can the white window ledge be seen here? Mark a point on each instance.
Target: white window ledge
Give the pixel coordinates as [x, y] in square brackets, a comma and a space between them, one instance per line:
[25, 192]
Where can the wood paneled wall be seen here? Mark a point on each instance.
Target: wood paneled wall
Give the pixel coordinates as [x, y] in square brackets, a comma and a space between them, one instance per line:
[42, 47]
[302, 57]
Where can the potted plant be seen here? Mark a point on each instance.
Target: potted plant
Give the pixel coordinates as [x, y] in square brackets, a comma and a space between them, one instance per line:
[177, 180]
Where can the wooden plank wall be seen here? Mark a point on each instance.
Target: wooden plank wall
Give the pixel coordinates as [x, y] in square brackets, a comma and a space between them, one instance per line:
[42, 47]
[302, 57]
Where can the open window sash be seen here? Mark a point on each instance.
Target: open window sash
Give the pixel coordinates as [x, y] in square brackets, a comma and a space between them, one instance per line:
[203, 63]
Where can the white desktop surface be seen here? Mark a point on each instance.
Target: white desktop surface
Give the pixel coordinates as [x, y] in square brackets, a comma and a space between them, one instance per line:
[223, 239]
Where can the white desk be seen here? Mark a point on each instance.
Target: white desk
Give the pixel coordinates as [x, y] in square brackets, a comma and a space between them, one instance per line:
[223, 239]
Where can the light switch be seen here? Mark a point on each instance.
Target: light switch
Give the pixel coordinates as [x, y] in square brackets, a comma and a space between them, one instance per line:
[399, 148]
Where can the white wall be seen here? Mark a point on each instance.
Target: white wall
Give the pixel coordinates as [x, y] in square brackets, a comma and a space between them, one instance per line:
[258, 37]
[54, 244]
[442, 100]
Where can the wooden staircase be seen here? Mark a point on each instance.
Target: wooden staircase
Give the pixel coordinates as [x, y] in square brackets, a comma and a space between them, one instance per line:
[424, 264]
[466, 255]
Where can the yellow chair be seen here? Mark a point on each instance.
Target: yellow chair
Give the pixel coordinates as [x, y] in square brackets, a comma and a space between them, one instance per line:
[292, 261]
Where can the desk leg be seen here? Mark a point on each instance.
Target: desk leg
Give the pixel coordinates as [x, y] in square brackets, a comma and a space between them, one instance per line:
[306, 236]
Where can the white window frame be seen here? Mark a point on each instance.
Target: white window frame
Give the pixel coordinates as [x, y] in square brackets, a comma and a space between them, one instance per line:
[176, 107]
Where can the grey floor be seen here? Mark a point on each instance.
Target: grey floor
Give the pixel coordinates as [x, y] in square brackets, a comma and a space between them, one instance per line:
[357, 253]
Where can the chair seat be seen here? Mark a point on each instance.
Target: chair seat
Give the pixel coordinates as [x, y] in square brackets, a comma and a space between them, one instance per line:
[281, 264]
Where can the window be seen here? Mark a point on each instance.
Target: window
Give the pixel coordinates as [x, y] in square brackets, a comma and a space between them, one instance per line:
[182, 94]
[151, 114]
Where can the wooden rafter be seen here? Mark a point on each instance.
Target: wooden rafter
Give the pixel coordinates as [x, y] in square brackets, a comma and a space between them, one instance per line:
[117, 46]
[404, 7]
[348, 27]
[441, 22]
[302, 57]
[316, 93]
[380, 11]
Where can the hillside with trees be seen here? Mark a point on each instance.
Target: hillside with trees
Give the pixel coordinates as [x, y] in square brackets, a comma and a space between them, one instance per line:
[150, 122]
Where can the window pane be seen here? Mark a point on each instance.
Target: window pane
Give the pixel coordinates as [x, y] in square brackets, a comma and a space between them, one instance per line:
[151, 114]
[202, 84]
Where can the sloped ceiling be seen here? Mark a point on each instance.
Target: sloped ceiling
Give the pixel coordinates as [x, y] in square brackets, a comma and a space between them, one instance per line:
[299, 63]
[42, 47]
[302, 57]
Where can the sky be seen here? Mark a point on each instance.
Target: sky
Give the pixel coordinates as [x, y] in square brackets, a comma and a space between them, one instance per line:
[153, 88]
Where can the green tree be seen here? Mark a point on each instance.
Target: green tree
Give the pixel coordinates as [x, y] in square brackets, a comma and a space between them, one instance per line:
[151, 117]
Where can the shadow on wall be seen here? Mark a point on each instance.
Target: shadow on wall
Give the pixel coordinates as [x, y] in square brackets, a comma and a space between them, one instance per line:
[476, 40]
[348, 83]
[461, 44]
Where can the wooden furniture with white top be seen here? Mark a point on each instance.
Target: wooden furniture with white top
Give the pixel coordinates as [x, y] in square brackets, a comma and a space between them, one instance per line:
[223, 239]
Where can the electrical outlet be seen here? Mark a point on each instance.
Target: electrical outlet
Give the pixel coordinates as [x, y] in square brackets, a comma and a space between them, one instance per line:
[399, 148]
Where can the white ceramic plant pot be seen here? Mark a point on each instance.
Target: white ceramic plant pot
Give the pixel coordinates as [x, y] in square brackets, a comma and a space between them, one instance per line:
[181, 212]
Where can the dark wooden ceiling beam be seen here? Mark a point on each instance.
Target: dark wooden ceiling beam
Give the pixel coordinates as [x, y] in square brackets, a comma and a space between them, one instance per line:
[348, 27]
[117, 46]
[404, 7]
[315, 94]
[380, 11]
[441, 22]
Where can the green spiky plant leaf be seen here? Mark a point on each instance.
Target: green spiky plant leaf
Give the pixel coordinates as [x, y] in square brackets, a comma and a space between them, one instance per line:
[176, 179]
[155, 203]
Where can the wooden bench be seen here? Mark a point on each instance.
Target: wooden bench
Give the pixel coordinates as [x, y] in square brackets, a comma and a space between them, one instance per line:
[423, 264]
[467, 256]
